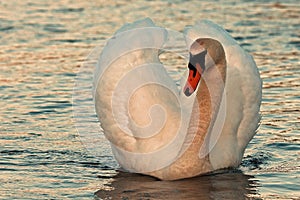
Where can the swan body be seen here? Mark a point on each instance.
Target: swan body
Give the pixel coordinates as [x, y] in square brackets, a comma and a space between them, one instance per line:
[155, 128]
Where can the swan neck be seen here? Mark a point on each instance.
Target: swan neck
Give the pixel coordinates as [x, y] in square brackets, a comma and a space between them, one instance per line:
[210, 91]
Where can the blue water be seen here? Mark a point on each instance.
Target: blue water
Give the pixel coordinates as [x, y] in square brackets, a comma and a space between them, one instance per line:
[44, 43]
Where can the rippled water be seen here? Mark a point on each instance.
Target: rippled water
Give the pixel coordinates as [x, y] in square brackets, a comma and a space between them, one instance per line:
[42, 46]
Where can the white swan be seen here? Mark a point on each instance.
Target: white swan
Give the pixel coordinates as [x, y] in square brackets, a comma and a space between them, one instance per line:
[158, 130]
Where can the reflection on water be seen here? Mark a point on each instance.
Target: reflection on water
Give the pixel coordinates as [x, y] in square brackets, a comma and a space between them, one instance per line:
[231, 185]
[42, 45]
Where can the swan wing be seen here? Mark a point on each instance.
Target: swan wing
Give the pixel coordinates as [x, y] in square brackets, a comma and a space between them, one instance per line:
[124, 52]
[137, 103]
[240, 117]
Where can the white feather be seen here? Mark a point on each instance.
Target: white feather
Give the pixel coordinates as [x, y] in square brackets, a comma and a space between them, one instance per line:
[125, 99]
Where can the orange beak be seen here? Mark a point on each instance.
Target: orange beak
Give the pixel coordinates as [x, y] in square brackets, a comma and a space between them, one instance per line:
[193, 80]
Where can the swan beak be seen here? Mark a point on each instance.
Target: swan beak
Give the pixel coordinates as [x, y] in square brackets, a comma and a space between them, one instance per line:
[193, 80]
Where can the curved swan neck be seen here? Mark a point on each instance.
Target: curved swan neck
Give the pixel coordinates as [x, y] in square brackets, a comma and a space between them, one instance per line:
[210, 90]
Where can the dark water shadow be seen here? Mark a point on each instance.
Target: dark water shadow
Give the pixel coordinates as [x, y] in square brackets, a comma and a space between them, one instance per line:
[230, 185]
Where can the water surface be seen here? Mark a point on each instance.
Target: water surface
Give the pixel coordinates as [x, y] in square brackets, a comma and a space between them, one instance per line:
[44, 43]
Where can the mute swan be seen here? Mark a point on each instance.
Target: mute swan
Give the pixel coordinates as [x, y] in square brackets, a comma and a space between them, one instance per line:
[158, 130]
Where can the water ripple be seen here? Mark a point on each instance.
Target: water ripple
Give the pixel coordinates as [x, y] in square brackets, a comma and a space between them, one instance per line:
[43, 44]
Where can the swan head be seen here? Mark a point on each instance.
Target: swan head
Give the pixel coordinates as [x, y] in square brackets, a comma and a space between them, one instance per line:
[203, 54]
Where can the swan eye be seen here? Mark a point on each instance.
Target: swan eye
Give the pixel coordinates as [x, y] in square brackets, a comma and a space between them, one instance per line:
[197, 59]
[193, 68]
